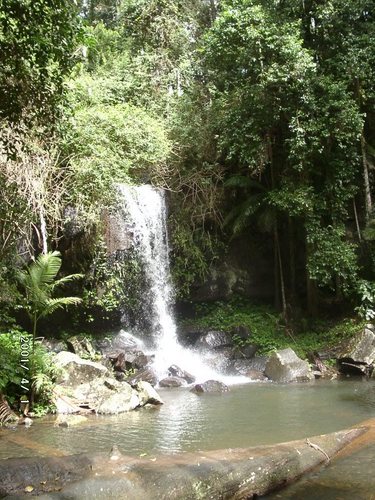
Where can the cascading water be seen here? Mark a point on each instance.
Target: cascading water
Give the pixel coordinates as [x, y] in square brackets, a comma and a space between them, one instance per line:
[145, 210]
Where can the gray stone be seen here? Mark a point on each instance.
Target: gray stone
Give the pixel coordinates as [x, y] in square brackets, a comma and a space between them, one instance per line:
[210, 386]
[362, 347]
[75, 370]
[172, 382]
[147, 394]
[285, 366]
[119, 402]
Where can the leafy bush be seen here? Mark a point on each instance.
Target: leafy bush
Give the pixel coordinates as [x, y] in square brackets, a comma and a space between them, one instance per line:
[12, 372]
[267, 330]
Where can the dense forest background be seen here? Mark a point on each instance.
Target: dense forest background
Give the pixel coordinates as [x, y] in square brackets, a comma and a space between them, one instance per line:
[257, 116]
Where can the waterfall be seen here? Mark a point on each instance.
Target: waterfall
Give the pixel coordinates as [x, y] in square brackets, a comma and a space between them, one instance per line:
[145, 213]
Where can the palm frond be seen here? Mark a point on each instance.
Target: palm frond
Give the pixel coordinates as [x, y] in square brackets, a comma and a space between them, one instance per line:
[44, 270]
[53, 305]
[66, 279]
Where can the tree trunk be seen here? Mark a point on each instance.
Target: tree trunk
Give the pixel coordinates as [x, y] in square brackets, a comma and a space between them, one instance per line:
[281, 274]
[311, 289]
[292, 259]
[368, 199]
[356, 220]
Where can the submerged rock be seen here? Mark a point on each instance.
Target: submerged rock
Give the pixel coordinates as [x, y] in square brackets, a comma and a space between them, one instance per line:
[210, 386]
[285, 366]
[69, 420]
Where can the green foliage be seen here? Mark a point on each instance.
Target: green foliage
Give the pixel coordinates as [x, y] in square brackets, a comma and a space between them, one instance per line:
[366, 309]
[12, 372]
[267, 329]
[113, 284]
[36, 44]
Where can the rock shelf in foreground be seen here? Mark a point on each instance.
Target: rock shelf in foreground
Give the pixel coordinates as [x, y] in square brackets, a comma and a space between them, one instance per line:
[231, 474]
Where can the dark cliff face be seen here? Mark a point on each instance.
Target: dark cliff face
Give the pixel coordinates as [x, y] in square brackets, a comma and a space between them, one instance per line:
[246, 269]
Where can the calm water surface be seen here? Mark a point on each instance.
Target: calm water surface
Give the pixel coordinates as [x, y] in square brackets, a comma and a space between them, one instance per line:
[248, 415]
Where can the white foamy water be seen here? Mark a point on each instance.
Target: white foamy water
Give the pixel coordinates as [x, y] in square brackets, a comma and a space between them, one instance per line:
[146, 212]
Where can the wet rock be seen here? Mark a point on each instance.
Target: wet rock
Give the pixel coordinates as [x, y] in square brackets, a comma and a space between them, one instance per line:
[176, 371]
[115, 453]
[69, 420]
[214, 339]
[257, 364]
[26, 421]
[285, 366]
[123, 361]
[255, 375]
[246, 352]
[76, 370]
[359, 358]
[81, 346]
[146, 374]
[210, 386]
[172, 382]
[147, 394]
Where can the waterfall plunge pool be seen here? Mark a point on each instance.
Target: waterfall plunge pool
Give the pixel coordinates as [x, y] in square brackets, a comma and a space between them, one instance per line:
[248, 415]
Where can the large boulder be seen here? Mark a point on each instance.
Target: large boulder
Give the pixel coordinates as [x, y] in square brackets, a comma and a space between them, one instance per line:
[147, 394]
[146, 374]
[75, 370]
[210, 386]
[123, 361]
[120, 400]
[122, 341]
[359, 357]
[215, 339]
[285, 366]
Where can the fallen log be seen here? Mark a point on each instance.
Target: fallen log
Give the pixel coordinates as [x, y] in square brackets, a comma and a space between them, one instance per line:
[223, 474]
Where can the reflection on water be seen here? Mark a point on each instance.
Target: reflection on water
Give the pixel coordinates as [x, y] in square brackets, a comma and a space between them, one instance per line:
[344, 479]
[247, 415]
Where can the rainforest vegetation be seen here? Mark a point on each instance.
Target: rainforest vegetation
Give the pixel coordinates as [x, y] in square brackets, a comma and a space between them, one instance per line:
[257, 117]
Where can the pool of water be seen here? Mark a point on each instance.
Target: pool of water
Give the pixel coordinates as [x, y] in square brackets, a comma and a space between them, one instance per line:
[252, 414]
